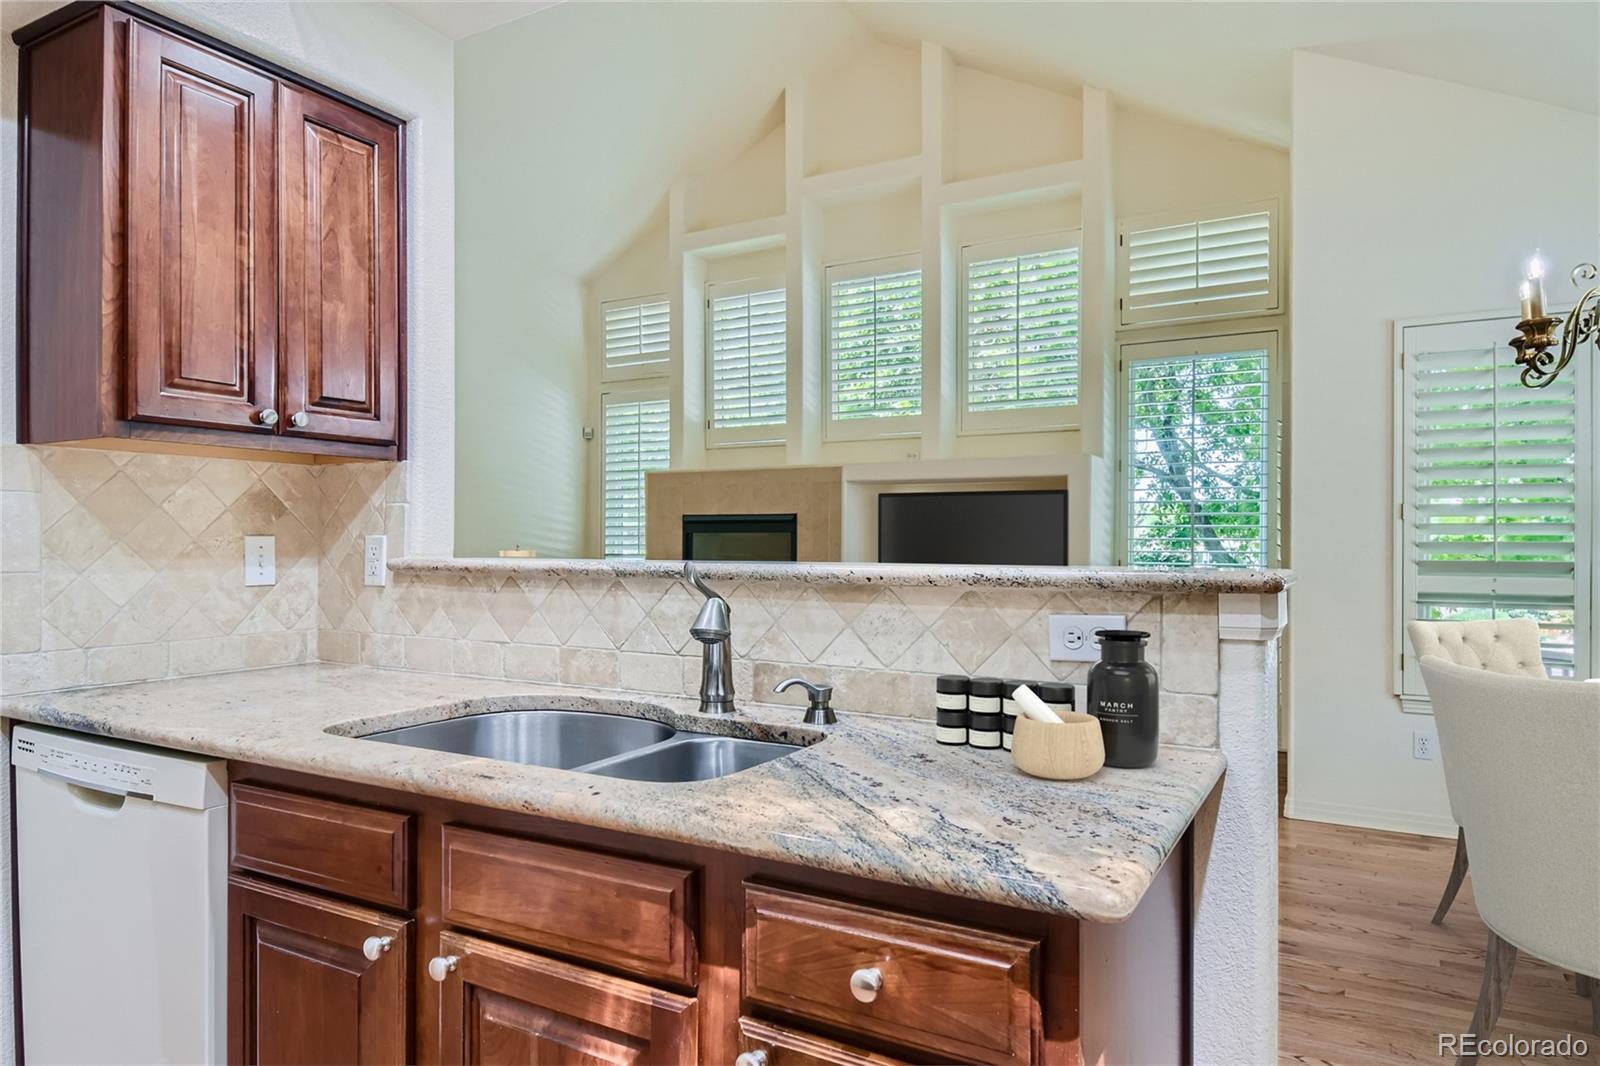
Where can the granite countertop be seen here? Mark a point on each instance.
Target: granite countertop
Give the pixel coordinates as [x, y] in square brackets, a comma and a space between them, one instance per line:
[1101, 578]
[872, 796]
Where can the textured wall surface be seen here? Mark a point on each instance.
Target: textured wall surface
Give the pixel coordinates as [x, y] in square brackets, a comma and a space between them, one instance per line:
[125, 566]
[880, 645]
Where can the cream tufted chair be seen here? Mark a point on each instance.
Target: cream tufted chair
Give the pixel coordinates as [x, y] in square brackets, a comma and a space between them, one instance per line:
[1508, 646]
[1522, 759]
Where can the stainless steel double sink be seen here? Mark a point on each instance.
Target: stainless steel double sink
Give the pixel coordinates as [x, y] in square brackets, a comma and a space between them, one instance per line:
[609, 745]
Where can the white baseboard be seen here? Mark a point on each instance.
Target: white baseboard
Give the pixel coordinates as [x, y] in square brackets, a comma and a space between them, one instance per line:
[1390, 821]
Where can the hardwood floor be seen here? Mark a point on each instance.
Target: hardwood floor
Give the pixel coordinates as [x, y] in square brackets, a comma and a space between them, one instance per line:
[1364, 978]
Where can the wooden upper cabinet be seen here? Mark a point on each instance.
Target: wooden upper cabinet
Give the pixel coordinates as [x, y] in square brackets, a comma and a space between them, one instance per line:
[341, 247]
[202, 236]
[314, 980]
[501, 1005]
[211, 247]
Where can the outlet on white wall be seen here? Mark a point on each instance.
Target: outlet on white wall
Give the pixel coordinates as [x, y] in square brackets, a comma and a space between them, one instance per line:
[260, 560]
[1072, 636]
[1424, 745]
[375, 560]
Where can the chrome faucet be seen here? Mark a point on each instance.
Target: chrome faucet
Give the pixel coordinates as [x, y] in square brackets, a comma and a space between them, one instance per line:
[713, 628]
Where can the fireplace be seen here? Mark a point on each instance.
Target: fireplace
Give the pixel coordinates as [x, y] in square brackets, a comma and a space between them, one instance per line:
[739, 537]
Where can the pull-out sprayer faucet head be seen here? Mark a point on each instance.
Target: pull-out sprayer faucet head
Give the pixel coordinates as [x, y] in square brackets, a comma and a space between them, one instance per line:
[714, 622]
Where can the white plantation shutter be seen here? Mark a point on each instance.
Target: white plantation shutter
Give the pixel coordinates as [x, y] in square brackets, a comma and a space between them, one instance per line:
[637, 332]
[635, 439]
[1200, 444]
[748, 344]
[1021, 329]
[1198, 268]
[1491, 500]
[874, 343]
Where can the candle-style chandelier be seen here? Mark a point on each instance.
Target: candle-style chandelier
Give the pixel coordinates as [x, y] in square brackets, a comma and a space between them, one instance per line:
[1537, 330]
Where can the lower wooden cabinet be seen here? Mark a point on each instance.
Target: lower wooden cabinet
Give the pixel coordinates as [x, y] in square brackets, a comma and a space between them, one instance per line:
[315, 980]
[761, 1044]
[501, 1005]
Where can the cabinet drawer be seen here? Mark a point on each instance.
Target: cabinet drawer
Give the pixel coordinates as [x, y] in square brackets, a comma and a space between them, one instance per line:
[615, 911]
[341, 847]
[968, 995]
[772, 1045]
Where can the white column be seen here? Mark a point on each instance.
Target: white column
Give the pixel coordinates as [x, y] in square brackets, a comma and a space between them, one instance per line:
[1236, 854]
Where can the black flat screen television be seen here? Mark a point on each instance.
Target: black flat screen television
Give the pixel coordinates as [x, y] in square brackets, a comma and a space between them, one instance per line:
[1005, 528]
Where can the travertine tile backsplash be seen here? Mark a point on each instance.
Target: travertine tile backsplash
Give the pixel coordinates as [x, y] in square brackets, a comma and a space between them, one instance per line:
[128, 566]
[125, 566]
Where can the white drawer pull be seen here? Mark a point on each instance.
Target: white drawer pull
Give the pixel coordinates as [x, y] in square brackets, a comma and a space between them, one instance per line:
[374, 946]
[751, 1058]
[441, 966]
[865, 984]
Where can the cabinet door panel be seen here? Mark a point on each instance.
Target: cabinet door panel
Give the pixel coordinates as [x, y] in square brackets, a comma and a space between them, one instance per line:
[202, 236]
[302, 990]
[341, 296]
[500, 1005]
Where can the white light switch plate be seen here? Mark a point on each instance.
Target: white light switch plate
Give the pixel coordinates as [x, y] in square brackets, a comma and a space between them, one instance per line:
[260, 561]
[1072, 638]
[375, 560]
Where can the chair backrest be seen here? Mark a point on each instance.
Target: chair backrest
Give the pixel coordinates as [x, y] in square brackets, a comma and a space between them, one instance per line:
[1522, 759]
[1503, 646]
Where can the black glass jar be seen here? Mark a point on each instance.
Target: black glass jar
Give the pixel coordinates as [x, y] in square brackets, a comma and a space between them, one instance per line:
[1125, 694]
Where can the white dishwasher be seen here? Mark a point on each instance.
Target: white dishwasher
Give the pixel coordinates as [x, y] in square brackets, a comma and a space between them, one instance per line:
[121, 900]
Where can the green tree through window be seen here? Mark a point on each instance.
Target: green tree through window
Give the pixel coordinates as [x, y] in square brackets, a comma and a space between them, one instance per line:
[1198, 460]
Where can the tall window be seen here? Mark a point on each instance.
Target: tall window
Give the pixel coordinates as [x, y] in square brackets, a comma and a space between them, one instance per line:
[1020, 335]
[1199, 466]
[1176, 267]
[635, 436]
[637, 335]
[874, 345]
[1492, 507]
[747, 357]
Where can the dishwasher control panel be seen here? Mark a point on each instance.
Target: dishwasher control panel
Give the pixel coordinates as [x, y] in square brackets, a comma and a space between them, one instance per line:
[85, 769]
[113, 766]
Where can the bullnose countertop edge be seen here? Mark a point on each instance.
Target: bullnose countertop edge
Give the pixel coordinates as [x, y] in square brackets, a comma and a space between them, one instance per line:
[1065, 578]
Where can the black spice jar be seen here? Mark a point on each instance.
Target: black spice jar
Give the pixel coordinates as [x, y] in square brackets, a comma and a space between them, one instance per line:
[1125, 694]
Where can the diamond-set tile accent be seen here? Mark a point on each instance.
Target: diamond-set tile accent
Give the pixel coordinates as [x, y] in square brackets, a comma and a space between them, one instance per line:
[129, 570]
[135, 570]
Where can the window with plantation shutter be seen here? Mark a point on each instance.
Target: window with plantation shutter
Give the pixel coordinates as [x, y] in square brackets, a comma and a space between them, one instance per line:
[1020, 331]
[635, 441]
[747, 375]
[1173, 268]
[1199, 472]
[1492, 507]
[637, 332]
[874, 342]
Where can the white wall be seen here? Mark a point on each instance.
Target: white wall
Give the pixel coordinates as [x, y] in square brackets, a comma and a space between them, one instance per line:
[1410, 198]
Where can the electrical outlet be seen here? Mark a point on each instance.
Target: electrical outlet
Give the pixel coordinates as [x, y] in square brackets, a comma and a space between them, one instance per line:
[1072, 636]
[1423, 745]
[260, 560]
[375, 560]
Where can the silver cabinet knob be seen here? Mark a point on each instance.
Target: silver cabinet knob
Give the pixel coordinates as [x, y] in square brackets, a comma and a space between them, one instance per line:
[865, 984]
[267, 416]
[374, 946]
[751, 1058]
[441, 966]
[299, 419]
